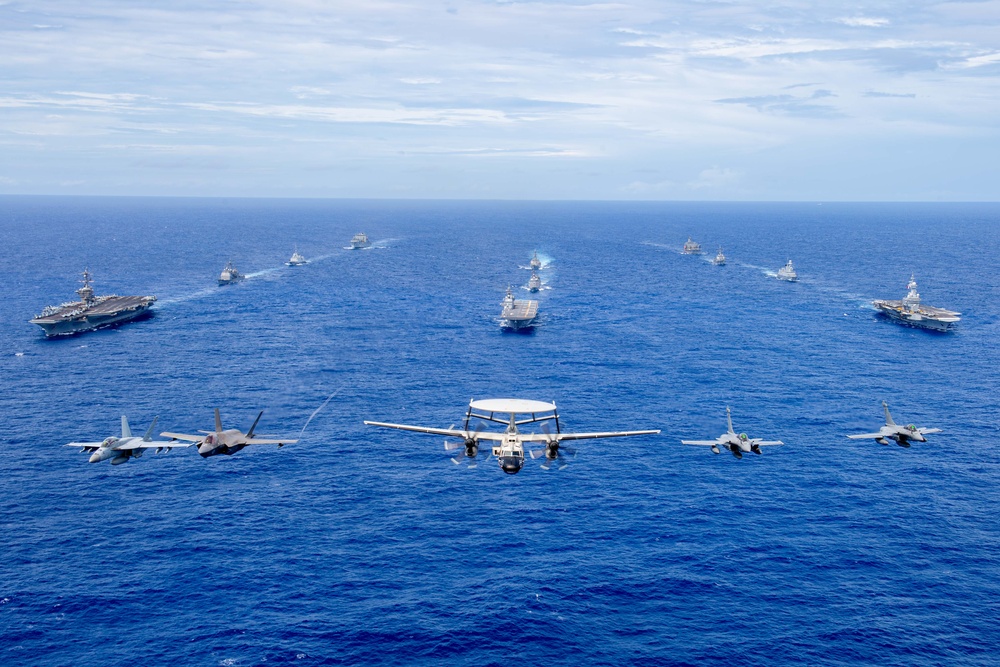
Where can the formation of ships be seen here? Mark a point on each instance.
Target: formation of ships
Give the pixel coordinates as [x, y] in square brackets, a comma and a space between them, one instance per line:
[92, 312]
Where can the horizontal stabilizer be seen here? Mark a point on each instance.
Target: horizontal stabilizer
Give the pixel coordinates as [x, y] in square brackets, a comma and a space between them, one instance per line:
[260, 441]
[703, 443]
[766, 443]
[925, 431]
[862, 436]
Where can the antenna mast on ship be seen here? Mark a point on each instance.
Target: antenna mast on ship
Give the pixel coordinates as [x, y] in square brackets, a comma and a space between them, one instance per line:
[86, 292]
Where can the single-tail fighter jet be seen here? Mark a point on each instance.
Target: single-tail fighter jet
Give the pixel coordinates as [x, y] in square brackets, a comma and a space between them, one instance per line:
[120, 450]
[228, 441]
[509, 447]
[738, 444]
[893, 431]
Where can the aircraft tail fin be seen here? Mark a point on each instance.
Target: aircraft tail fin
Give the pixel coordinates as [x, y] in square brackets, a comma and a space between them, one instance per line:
[729, 421]
[218, 421]
[149, 433]
[888, 417]
[250, 432]
[126, 431]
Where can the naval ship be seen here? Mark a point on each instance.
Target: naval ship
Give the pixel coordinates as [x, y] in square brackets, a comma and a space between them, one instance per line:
[692, 248]
[787, 272]
[297, 259]
[230, 275]
[535, 264]
[720, 259]
[517, 314]
[360, 241]
[534, 283]
[91, 312]
[911, 312]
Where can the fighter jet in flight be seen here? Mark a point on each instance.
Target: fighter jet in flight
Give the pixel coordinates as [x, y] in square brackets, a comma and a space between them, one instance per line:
[228, 441]
[120, 450]
[893, 431]
[738, 444]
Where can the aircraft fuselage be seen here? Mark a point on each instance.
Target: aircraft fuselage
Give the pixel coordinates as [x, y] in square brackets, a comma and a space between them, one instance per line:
[227, 442]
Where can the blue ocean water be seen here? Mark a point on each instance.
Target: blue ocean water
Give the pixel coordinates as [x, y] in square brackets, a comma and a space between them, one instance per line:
[364, 546]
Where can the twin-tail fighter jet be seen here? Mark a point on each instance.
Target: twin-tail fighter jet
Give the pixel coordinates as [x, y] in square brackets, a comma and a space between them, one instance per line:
[228, 441]
[738, 444]
[120, 450]
[509, 447]
[893, 431]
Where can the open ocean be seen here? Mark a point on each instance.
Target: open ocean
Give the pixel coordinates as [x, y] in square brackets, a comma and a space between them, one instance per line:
[367, 546]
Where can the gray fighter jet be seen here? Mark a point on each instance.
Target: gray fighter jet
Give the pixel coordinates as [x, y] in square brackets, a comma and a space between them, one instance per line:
[120, 450]
[509, 447]
[228, 441]
[738, 444]
[893, 431]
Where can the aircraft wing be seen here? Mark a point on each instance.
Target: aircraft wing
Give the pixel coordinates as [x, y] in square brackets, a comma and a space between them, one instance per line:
[182, 436]
[861, 436]
[925, 431]
[151, 444]
[588, 436]
[261, 441]
[452, 432]
[705, 443]
[89, 445]
[767, 442]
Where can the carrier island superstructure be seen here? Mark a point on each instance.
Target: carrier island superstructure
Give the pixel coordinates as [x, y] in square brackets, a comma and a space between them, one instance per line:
[91, 312]
[911, 312]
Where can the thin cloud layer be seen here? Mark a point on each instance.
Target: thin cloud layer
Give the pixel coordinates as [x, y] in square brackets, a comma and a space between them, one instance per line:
[566, 99]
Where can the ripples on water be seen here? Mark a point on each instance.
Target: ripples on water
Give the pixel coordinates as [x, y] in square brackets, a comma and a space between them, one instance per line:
[362, 546]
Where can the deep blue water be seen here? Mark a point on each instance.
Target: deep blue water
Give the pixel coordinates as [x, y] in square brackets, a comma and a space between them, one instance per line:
[364, 546]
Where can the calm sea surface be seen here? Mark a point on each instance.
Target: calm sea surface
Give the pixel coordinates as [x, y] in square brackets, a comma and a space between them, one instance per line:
[364, 546]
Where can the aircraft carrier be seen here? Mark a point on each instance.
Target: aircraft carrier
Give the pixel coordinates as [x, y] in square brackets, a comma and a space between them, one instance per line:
[518, 314]
[91, 312]
[911, 312]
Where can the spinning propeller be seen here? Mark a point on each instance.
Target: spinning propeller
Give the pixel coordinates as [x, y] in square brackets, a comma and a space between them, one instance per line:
[471, 445]
[553, 451]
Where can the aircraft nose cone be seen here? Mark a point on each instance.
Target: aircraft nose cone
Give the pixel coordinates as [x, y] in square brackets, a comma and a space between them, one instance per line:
[205, 448]
[95, 457]
[511, 464]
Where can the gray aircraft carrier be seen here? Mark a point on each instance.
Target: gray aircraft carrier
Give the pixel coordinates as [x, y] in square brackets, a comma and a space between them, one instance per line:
[518, 314]
[91, 312]
[911, 312]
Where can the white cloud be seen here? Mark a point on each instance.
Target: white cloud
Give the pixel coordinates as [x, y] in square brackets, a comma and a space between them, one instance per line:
[863, 21]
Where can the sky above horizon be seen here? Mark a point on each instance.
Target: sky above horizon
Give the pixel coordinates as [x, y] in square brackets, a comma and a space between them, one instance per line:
[488, 99]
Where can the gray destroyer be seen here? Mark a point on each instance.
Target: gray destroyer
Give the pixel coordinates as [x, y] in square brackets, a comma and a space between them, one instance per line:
[91, 312]
[517, 314]
[911, 312]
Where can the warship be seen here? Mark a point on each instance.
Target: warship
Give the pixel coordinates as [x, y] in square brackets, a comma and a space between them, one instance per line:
[360, 241]
[230, 275]
[297, 259]
[517, 314]
[535, 264]
[534, 283]
[691, 248]
[91, 312]
[787, 272]
[911, 312]
[720, 259]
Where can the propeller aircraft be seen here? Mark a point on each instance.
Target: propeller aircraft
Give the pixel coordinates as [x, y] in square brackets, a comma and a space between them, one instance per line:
[509, 444]
[893, 431]
[228, 441]
[120, 450]
[738, 444]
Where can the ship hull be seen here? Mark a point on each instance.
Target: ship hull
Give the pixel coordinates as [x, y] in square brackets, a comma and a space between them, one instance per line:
[84, 323]
[917, 322]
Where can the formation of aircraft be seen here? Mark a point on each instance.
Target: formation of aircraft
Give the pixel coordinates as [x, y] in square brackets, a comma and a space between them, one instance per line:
[893, 431]
[226, 441]
[509, 447]
[120, 450]
[737, 444]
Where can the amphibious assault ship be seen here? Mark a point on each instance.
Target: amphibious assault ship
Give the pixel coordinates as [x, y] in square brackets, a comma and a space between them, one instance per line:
[91, 312]
[911, 312]
[517, 314]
